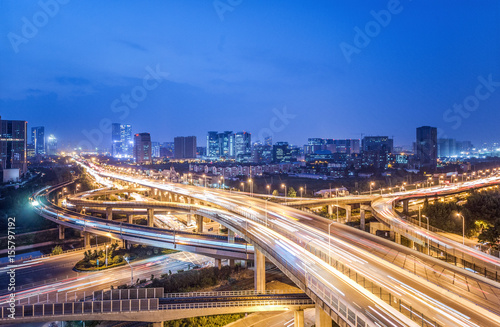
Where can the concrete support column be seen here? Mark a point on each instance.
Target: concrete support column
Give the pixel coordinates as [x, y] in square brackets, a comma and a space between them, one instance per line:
[230, 236]
[151, 216]
[218, 263]
[86, 239]
[397, 238]
[130, 218]
[362, 219]
[61, 232]
[412, 244]
[405, 205]
[260, 271]
[79, 209]
[158, 324]
[348, 210]
[199, 223]
[322, 319]
[189, 219]
[188, 200]
[109, 213]
[298, 318]
[330, 209]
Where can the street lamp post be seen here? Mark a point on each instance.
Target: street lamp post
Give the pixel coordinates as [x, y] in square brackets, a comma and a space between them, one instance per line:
[329, 244]
[251, 186]
[268, 189]
[301, 189]
[463, 227]
[428, 242]
[243, 186]
[106, 261]
[284, 186]
[131, 272]
[371, 186]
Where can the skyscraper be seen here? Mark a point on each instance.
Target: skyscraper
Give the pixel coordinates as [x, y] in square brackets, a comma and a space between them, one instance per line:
[185, 147]
[51, 145]
[242, 144]
[426, 148]
[224, 144]
[13, 135]
[38, 139]
[212, 145]
[142, 148]
[122, 143]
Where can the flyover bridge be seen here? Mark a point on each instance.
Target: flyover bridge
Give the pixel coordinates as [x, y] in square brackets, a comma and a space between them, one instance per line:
[151, 305]
[324, 270]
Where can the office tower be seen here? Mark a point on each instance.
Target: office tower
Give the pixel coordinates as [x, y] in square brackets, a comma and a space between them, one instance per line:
[30, 151]
[38, 139]
[13, 135]
[281, 152]
[51, 145]
[224, 144]
[155, 149]
[268, 141]
[122, 143]
[212, 145]
[142, 148]
[426, 148]
[447, 148]
[242, 144]
[167, 150]
[185, 147]
[377, 143]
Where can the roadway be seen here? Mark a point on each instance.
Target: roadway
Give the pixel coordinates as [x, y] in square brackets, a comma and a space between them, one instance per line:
[437, 303]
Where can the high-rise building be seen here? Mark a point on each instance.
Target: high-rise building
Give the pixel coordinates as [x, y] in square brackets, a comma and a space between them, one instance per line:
[212, 145]
[225, 144]
[51, 145]
[185, 147]
[242, 144]
[378, 143]
[13, 135]
[447, 148]
[268, 141]
[122, 143]
[281, 152]
[38, 139]
[142, 148]
[155, 149]
[167, 150]
[426, 148]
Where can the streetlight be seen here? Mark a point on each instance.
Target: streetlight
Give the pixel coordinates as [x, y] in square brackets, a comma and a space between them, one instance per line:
[131, 272]
[419, 216]
[428, 242]
[251, 186]
[371, 186]
[329, 243]
[301, 189]
[268, 189]
[107, 246]
[205, 177]
[284, 186]
[463, 227]
[243, 186]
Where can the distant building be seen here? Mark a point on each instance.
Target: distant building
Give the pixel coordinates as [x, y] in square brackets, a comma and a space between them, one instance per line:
[242, 145]
[167, 150]
[142, 148]
[426, 148]
[185, 147]
[225, 148]
[30, 151]
[268, 141]
[213, 144]
[122, 143]
[201, 151]
[155, 149]
[38, 139]
[281, 152]
[51, 145]
[378, 143]
[13, 135]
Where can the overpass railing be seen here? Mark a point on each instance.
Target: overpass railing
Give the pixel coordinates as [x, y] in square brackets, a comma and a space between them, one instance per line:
[231, 293]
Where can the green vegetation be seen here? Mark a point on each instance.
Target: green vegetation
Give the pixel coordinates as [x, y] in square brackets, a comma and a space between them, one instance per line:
[481, 212]
[211, 321]
[57, 250]
[192, 280]
[292, 193]
[276, 193]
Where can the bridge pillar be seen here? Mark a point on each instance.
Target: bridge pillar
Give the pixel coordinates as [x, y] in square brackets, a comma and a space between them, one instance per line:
[130, 218]
[109, 213]
[86, 239]
[230, 239]
[405, 205]
[218, 263]
[362, 219]
[260, 271]
[348, 210]
[158, 324]
[397, 238]
[61, 232]
[298, 318]
[412, 244]
[79, 209]
[189, 219]
[330, 209]
[151, 217]
[199, 223]
[322, 319]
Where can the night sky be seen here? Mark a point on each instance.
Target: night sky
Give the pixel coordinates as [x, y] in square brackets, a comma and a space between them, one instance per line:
[293, 69]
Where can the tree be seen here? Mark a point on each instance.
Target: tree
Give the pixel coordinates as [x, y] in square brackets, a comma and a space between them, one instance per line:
[292, 193]
[491, 235]
[57, 250]
[276, 193]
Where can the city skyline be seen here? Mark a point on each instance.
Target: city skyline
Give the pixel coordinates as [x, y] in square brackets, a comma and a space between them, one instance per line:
[227, 76]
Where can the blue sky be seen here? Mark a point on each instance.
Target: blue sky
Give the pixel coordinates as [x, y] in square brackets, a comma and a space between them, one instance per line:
[238, 65]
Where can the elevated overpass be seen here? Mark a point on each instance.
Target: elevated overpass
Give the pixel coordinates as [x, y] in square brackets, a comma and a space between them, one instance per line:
[260, 224]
